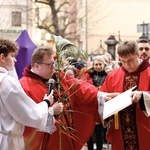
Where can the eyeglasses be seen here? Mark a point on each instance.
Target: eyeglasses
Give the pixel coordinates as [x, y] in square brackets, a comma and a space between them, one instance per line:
[47, 64]
[146, 48]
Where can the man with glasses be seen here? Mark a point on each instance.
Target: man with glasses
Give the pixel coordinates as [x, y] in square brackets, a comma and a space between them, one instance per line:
[144, 49]
[35, 84]
[130, 128]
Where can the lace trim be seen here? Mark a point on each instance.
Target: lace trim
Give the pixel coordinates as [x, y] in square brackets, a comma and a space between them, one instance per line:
[50, 125]
[101, 101]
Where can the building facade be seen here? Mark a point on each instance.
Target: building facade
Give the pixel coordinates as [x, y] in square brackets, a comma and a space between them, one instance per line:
[13, 18]
[17, 16]
[94, 21]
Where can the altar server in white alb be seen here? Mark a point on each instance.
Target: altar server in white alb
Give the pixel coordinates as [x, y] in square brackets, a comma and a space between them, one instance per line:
[16, 108]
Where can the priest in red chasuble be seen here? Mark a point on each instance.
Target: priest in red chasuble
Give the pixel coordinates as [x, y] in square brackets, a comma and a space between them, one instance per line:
[130, 128]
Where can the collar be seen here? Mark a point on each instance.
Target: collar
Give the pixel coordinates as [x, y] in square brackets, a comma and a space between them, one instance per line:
[3, 70]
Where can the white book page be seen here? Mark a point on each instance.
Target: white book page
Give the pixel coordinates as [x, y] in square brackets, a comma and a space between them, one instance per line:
[118, 103]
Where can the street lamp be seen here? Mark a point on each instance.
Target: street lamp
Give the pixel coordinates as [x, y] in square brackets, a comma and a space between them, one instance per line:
[111, 46]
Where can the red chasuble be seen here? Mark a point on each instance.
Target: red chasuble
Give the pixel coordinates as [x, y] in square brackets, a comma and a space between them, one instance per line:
[34, 88]
[134, 126]
[80, 121]
[84, 106]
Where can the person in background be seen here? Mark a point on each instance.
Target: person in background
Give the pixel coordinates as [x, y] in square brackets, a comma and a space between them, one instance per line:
[80, 64]
[78, 70]
[71, 70]
[109, 62]
[144, 49]
[107, 57]
[17, 109]
[130, 125]
[98, 75]
[115, 64]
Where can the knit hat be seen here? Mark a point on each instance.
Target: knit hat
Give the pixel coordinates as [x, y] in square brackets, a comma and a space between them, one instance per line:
[79, 64]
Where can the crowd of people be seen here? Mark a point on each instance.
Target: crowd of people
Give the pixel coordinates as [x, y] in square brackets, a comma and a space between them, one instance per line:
[32, 119]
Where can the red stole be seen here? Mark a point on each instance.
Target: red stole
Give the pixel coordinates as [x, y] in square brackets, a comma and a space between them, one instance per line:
[127, 119]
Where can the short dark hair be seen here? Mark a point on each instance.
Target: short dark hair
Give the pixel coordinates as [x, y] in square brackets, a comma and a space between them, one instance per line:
[71, 67]
[143, 41]
[127, 47]
[7, 46]
[40, 52]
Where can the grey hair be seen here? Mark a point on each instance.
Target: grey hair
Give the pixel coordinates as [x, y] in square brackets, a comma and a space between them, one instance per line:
[100, 58]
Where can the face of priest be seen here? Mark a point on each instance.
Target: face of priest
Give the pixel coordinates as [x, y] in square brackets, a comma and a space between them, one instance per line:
[46, 67]
[130, 62]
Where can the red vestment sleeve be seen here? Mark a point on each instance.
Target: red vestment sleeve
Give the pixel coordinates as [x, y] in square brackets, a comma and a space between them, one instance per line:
[83, 100]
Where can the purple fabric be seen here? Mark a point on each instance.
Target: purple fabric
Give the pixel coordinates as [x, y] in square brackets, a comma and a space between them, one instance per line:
[25, 52]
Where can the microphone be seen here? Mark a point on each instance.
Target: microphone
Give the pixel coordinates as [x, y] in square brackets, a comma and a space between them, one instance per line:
[50, 87]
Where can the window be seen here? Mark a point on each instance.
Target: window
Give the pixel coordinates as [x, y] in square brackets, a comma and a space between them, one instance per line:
[16, 18]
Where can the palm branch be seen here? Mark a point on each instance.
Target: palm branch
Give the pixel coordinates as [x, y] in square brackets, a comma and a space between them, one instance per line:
[64, 49]
[67, 49]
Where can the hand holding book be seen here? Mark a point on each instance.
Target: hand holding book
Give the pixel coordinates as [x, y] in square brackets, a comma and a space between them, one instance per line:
[118, 103]
[136, 96]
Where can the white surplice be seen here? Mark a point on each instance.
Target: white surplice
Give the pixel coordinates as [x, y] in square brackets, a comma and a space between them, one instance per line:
[18, 110]
[146, 97]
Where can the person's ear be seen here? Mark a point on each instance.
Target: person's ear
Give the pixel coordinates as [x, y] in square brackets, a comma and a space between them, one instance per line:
[2, 57]
[36, 65]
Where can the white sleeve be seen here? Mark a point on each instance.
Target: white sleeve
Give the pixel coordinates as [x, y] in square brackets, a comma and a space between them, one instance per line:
[50, 125]
[147, 103]
[22, 108]
[101, 101]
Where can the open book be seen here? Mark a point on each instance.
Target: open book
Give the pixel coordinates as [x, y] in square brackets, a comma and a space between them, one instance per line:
[118, 103]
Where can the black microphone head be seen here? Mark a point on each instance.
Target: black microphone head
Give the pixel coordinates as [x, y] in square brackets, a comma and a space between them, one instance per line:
[51, 81]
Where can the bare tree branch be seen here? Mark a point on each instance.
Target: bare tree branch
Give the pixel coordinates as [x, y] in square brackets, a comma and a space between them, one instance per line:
[55, 22]
[42, 2]
[61, 5]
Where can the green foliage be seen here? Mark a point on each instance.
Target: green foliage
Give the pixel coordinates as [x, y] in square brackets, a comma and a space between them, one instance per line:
[67, 49]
